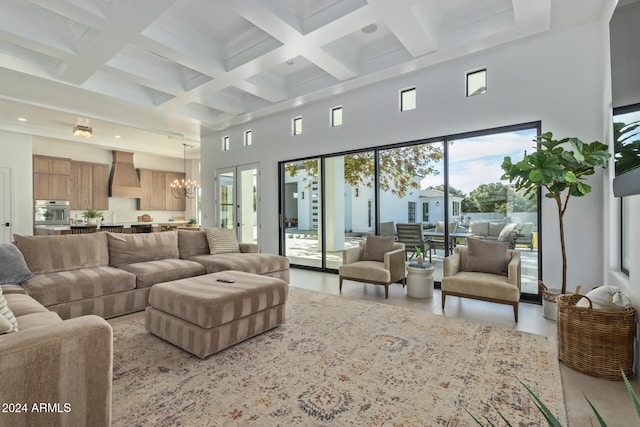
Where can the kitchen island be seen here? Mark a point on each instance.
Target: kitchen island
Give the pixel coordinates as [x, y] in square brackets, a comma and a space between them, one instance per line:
[56, 230]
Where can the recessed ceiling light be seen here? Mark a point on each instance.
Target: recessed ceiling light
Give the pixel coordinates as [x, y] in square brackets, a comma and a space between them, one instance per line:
[118, 137]
[290, 62]
[22, 119]
[371, 28]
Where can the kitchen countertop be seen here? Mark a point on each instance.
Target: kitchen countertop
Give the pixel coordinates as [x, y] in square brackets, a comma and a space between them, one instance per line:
[124, 224]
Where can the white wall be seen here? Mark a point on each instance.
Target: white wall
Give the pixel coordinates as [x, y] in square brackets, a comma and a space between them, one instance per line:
[16, 155]
[549, 78]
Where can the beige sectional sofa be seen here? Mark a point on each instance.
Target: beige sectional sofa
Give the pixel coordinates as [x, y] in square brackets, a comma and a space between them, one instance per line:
[85, 279]
[111, 274]
[54, 372]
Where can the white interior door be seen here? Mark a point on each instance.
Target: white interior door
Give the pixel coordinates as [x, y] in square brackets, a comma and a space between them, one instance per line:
[237, 201]
[5, 205]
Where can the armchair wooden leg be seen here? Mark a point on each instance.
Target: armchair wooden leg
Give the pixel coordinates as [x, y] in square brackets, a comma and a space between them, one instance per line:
[444, 297]
[340, 283]
[386, 291]
[515, 311]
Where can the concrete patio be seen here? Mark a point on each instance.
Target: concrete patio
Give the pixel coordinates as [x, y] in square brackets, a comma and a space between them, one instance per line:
[303, 248]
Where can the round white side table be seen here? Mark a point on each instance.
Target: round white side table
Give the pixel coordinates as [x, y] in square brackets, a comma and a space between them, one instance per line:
[420, 280]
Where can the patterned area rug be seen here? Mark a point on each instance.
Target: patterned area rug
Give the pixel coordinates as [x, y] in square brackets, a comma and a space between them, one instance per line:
[339, 362]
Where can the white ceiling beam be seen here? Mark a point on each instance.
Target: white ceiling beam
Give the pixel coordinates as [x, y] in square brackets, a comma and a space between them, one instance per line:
[131, 19]
[532, 13]
[413, 28]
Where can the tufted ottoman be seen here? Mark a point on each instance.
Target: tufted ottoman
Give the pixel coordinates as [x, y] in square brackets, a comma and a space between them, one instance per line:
[203, 315]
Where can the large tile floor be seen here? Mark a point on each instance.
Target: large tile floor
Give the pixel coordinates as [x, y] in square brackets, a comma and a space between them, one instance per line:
[610, 397]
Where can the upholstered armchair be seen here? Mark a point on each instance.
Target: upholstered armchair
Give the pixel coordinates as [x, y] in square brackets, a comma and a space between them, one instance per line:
[379, 261]
[485, 271]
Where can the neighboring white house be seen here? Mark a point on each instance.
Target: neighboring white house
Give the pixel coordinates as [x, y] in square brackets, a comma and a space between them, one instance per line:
[354, 206]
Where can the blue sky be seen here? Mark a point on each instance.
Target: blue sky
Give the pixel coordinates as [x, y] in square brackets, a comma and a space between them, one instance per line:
[476, 161]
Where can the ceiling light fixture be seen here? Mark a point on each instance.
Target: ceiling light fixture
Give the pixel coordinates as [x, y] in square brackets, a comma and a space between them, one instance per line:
[82, 131]
[181, 188]
[22, 119]
[371, 28]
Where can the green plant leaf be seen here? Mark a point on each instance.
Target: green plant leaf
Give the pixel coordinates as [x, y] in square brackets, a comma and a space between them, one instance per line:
[633, 395]
[548, 415]
[595, 411]
[570, 177]
[490, 424]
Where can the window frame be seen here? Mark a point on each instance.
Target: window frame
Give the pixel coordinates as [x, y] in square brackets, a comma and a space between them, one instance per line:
[402, 100]
[248, 138]
[332, 117]
[226, 143]
[294, 130]
[468, 74]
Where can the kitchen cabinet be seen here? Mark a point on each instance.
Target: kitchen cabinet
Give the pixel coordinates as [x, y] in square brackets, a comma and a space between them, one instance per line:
[171, 203]
[152, 183]
[100, 186]
[89, 186]
[51, 178]
[156, 191]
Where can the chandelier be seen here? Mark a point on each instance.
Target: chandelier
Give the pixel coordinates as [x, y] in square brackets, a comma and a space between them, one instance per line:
[184, 188]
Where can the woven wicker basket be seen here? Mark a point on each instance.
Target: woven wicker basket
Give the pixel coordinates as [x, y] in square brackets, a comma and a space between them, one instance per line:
[594, 341]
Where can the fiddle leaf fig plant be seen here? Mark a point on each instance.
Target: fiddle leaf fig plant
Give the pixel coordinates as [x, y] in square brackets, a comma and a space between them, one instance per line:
[561, 167]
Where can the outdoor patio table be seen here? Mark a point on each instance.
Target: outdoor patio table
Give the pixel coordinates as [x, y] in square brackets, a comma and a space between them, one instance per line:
[452, 237]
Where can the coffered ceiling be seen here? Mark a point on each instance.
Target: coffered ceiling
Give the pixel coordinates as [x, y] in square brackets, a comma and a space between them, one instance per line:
[166, 72]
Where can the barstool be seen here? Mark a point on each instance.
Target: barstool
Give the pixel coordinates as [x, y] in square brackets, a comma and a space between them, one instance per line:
[141, 228]
[112, 228]
[83, 229]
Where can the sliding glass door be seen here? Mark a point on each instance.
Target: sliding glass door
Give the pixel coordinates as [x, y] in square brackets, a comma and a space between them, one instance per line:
[451, 186]
[302, 206]
[482, 205]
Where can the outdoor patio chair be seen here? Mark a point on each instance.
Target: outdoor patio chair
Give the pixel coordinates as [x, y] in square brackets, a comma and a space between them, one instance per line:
[525, 235]
[378, 260]
[387, 229]
[411, 235]
[438, 242]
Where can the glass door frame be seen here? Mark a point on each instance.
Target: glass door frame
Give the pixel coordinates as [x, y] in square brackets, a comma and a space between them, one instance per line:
[443, 139]
[237, 197]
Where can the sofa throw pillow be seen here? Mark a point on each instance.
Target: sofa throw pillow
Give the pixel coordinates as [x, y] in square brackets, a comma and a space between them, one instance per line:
[505, 234]
[48, 254]
[127, 249]
[5, 326]
[486, 257]
[14, 267]
[222, 240]
[606, 298]
[376, 247]
[7, 314]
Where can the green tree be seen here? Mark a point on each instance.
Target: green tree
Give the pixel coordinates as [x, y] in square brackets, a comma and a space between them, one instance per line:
[398, 168]
[486, 198]
[497, 197]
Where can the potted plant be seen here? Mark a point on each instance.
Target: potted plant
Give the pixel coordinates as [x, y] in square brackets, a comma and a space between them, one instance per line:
[419, 257]
[562, 173]
[193, 223]
[91, 216]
